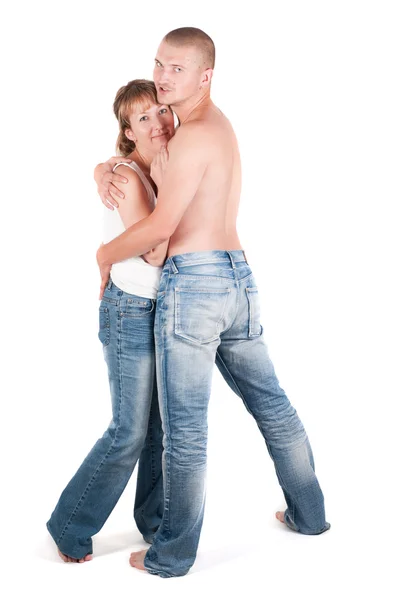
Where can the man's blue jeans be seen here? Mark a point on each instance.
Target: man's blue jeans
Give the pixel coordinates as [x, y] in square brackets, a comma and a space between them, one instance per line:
[135, 431]
[208, 311]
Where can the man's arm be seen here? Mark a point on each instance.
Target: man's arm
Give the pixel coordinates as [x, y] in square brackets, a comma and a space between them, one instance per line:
[156, 256]
[187, 164]
[105, 178]
[134, 207]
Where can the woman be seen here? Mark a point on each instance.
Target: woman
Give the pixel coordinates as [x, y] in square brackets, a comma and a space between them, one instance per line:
[126, 319]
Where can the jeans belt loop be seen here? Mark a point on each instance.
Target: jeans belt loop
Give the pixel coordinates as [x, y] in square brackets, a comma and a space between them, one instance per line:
[231, 259]
[173, 266]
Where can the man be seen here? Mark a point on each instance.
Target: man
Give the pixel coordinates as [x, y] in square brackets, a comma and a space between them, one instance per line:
[207, 311]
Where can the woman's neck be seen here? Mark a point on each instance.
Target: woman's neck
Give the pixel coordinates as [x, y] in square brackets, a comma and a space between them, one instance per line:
[142, 160]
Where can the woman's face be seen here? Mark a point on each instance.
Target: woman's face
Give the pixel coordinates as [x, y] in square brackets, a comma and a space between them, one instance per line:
[151, 127]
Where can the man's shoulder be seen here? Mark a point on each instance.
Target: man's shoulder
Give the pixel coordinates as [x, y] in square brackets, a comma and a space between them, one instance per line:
[195, 135]
[194, 128]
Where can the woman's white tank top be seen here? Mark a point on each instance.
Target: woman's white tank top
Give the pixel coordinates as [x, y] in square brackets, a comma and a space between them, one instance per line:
[133, 275]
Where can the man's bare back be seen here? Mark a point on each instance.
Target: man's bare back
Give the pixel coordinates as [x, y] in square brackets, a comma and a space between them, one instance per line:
[209, 222]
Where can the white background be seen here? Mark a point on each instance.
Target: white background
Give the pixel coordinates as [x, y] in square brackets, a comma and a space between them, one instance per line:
[311, 90]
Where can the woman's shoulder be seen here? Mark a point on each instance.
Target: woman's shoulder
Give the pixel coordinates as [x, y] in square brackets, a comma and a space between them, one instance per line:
[124, 167]
[134, 186]
[128, 171]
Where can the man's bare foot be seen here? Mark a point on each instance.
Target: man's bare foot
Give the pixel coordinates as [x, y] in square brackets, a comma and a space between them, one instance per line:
[280, 516]
[137, 560]
[66, 558]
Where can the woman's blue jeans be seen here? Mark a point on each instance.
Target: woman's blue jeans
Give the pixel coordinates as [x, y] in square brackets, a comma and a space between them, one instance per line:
[135, 432]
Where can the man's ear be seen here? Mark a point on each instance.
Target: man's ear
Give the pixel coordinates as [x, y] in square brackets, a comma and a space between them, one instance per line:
[130, 135]
[206, 77]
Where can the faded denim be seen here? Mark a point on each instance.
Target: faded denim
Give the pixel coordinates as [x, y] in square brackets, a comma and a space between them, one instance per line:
[135, 432]
[208, 311]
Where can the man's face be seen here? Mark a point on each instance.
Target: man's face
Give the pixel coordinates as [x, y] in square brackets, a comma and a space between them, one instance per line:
[177, 73]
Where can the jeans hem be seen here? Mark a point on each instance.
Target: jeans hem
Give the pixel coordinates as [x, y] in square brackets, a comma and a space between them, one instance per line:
[164, 574]
[65, 551]
[160, 573]
[296, 529]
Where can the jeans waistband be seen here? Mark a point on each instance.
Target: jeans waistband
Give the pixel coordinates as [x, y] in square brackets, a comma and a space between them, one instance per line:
[209, 257]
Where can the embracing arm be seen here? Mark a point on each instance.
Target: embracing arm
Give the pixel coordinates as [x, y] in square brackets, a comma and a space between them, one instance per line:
[134, 207]
[157, 256]
[106, 181]
[185, 170]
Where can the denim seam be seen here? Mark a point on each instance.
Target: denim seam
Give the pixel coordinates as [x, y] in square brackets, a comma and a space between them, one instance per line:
[245, 277]
[109, 300]
[199, 277]
[207, 262]
[84, 495]
[250, 291]
[167, 483]
[106, 327]
[162, 294]
[141, 508]
[152, 447]
[140, 316]
[235, 384]
[227, 296]
[163, 574]
[204, 290]
[237, 308]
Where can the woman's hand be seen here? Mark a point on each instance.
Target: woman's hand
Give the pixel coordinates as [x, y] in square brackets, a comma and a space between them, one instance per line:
[105, 179]
[158, 166]
[105, 270]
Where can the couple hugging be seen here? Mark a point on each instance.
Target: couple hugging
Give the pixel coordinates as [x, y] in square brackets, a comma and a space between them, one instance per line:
[177, 296]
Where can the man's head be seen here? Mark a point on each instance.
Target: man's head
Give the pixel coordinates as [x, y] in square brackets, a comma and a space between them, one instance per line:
[184, 65]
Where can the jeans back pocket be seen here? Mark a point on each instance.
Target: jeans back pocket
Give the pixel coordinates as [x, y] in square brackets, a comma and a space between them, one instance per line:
[199, 313]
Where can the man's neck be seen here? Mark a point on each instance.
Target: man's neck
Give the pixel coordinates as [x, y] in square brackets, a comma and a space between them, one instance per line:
[193, 108]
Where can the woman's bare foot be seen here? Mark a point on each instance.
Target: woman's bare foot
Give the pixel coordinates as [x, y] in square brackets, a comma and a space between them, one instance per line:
[66, 558]
[137, 560]
[280, 515]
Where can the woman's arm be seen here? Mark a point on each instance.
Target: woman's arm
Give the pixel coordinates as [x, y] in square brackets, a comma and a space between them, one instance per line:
[134, 207]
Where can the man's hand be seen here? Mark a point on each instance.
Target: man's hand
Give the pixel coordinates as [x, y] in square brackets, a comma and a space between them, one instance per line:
[158, 166]
[105, 269]
[105, 180]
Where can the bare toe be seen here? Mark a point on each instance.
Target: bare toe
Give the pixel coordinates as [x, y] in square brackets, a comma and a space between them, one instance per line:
[63, 556]
[280, 516]
[137, 560]
[69, 559]
[86, 558]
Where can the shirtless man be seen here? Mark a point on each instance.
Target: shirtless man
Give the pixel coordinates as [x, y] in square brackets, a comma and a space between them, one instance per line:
[208, 311]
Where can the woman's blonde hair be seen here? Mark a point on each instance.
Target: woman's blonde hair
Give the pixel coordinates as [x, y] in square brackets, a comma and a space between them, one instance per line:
[138, 93]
